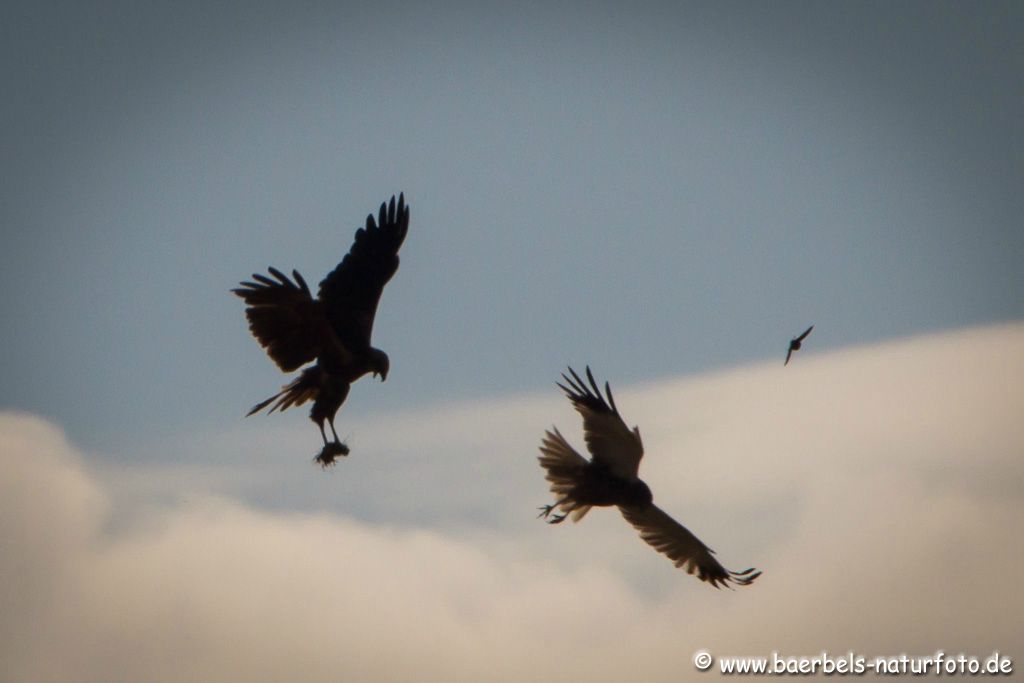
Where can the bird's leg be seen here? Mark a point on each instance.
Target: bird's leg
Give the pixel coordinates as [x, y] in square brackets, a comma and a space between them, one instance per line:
[338, 446]
[330, 421]
[546, 510]
[332, 449]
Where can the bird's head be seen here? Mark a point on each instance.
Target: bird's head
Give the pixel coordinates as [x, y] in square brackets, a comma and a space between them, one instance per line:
[379, 364]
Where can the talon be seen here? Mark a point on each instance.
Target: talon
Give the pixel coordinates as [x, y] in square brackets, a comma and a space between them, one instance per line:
[326, 457]
[546, 510]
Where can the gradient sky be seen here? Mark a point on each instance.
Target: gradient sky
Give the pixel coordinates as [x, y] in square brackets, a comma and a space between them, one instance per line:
[666, 191]
[658, 189]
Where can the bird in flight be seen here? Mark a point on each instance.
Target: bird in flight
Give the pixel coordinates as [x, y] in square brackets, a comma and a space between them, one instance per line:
[794, 344]
[333, 329]
[610, 478]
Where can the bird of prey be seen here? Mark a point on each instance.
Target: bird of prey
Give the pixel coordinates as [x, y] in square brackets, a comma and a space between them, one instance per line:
[610, 478]
[794, 344]
[331, 331]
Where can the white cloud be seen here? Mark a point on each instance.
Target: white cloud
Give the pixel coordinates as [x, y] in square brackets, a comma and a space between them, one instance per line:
[880, 490]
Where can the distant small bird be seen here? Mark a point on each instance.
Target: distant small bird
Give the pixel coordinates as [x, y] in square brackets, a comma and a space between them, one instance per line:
[333, 329]
[794, 344]
[610, 478]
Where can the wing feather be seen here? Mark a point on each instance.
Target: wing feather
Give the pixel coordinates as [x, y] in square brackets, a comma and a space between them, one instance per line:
[351, 291]
[284, 318]
[609, 440]
[672, 539]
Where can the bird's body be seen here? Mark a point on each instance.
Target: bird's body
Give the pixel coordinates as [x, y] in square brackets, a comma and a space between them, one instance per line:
[593, 484]
[333, 330]
[794, 344]
[610, 478]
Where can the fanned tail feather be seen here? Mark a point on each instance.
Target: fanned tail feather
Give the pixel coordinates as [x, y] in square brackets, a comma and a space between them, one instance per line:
[564, 467]
[303, 388]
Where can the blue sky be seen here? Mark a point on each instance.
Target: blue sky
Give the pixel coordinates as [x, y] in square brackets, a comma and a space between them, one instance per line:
[666, 191]
[655, 190]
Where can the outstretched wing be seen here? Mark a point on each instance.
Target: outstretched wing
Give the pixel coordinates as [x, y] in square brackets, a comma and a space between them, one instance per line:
[804, 335]
[284, 318]
[351, 291]
[609, 440]
[672, 539]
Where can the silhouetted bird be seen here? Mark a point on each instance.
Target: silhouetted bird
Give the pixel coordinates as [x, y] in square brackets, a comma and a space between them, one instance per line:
[333, 329]
[610, 478]
[794, 344]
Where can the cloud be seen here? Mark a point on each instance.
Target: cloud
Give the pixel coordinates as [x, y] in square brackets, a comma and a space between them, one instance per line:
[880, 489]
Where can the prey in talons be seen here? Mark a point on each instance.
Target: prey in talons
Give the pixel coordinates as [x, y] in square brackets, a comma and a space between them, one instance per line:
[331, 450]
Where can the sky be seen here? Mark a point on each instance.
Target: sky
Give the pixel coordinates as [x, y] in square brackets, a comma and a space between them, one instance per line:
[666, 191]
